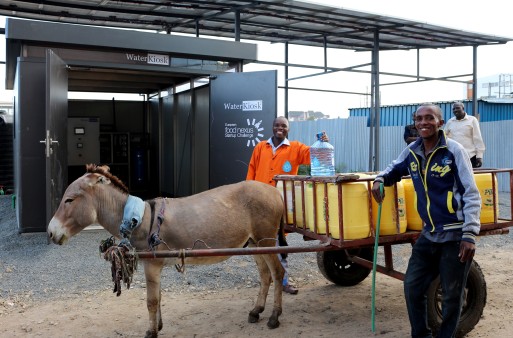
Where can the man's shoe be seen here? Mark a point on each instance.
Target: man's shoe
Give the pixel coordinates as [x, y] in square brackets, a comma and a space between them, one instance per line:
[290, 289]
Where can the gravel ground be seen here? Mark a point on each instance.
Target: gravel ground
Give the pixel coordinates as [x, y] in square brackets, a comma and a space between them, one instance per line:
[30, 269]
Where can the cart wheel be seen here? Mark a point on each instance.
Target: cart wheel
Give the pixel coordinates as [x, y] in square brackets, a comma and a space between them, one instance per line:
[473, 305]
[336, 268]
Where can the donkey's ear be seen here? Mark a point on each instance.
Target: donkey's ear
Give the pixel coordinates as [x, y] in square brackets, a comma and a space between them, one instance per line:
[103, 180]
[93, 179]
[104, 167]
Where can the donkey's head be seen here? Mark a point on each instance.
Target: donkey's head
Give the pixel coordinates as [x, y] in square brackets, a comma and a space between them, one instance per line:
[82, 202]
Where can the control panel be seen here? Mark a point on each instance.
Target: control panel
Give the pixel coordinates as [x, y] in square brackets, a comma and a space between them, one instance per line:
[83, 140]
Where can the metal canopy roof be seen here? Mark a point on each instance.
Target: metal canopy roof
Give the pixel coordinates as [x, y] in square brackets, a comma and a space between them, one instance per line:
[91, 67]
[281, 21]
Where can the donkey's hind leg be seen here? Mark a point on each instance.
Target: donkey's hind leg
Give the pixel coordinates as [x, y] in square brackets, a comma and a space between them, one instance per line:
[277, 273]
[265, 282]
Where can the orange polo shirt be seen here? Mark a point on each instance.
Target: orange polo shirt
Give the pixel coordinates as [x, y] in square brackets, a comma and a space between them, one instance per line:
[264, 165]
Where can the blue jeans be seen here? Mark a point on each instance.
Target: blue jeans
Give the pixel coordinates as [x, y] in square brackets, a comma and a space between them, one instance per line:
[285, 265]
[427, 261]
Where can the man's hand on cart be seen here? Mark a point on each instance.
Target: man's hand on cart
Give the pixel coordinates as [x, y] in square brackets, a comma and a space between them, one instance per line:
[376, 193]
[467, 251]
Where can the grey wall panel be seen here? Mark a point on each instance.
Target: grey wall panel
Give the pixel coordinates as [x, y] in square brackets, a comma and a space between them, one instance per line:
[201, 139]
[155, 136]
[182, 110]
[167, 144]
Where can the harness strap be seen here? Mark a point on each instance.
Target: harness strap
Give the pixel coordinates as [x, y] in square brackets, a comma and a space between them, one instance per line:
[152, 209]
[154, 238]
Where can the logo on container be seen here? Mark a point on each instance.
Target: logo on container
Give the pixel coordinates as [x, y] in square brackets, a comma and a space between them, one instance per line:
[252, 133]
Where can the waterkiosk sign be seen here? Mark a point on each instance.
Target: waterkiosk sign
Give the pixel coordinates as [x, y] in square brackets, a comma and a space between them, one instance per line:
[151, 59]
[242, 110]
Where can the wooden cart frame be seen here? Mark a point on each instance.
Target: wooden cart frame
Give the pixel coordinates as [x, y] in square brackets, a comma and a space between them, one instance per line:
[348, 262]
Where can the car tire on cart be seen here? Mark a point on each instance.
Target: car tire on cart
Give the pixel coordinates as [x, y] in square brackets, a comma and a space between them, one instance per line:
[337, 268]
[473, 306]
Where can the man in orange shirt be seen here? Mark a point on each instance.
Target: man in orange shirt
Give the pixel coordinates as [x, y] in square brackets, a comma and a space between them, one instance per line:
[279, 156]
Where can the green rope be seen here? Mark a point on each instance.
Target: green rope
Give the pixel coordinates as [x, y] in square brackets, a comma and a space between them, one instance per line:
[374, 261]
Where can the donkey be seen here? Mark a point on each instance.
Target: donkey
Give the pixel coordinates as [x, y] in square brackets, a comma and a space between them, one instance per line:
[231, 216]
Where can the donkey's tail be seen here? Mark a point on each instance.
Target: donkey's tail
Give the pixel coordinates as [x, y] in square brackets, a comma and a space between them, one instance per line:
[282, 240]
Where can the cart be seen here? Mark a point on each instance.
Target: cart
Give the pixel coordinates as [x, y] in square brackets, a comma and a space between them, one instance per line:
[347, 262]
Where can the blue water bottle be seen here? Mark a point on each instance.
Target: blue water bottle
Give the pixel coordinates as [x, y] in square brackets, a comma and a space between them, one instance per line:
[322, 158]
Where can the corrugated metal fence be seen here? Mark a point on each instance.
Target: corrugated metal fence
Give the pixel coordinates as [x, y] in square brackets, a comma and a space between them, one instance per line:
[351, 138]
[401, 115]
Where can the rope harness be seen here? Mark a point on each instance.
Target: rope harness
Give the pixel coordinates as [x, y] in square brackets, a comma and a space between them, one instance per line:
[123, 262]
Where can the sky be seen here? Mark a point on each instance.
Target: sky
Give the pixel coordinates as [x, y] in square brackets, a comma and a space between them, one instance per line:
[488, 17]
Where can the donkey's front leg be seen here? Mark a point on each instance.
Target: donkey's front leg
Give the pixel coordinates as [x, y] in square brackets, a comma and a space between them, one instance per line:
[152, 271]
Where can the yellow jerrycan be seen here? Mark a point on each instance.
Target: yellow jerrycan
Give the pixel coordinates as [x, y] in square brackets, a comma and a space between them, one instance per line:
[388, 225]
[355, 208]
[485, 187]
[294, 205]
[413, 220]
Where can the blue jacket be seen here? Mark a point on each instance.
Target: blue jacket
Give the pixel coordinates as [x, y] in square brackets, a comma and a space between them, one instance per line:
[448, 199]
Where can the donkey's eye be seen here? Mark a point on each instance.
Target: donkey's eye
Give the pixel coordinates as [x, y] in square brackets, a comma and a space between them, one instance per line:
[68, 200]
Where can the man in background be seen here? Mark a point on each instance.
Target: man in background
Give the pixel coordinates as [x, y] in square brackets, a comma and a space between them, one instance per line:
[464, 129]
[410, 132]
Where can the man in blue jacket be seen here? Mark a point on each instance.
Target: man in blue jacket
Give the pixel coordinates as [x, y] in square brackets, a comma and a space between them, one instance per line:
[449, 204]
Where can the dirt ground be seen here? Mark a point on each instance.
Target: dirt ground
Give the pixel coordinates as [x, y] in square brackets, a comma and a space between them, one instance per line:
[321, 309]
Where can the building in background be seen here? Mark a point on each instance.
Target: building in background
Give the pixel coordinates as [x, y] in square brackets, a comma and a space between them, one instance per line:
[498, 86]
[309, 115]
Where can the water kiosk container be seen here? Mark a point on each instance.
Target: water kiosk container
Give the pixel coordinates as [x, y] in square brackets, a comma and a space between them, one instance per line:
[413, 220]
[292, 208]
[485, 187]
[355, 207]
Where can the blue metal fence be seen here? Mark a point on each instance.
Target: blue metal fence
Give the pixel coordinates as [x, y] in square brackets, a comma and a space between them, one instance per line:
[400, 115]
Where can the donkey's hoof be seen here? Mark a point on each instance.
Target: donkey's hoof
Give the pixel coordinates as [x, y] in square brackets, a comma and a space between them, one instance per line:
[253, 317]
[151, 334]
[160, 325]
[273, 323]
